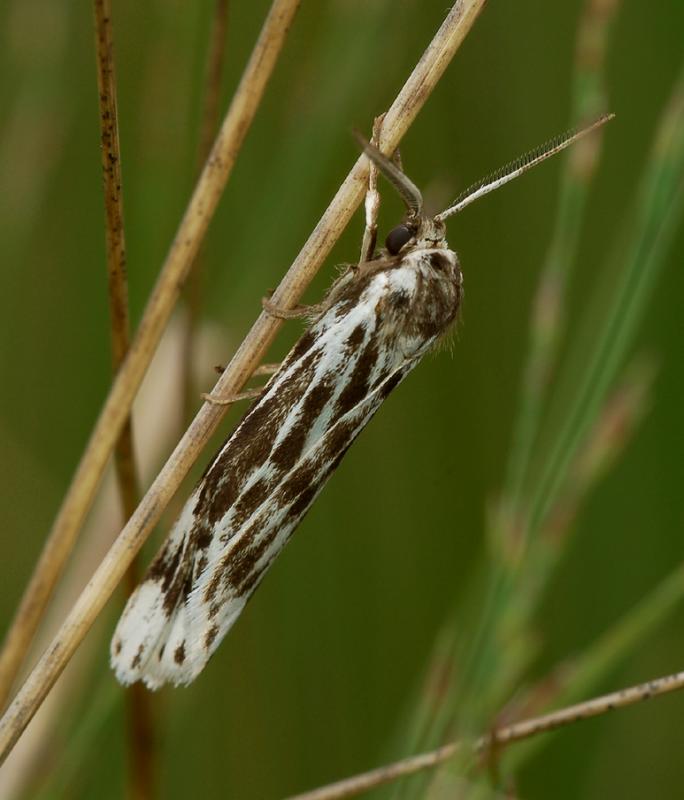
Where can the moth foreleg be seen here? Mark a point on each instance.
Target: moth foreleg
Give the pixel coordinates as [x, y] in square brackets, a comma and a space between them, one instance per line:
[372, 203]
[298, 312]
[396, 158]
[248, 394]
[262, 369]
[267, 369]
[218, 400]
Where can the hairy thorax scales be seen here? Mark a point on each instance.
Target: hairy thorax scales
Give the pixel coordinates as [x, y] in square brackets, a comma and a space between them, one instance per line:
[415, 295]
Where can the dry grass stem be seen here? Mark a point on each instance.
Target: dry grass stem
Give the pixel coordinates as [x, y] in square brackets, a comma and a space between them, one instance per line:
[140, 727]
[117, 407]
[403, 111]
[364, 782]
[208, 124]
[44, 756]
[111, 174]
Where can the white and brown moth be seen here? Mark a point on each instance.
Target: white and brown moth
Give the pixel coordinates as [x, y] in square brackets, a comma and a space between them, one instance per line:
[376, 323]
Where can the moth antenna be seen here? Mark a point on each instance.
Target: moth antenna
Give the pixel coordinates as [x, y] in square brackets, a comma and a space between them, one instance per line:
[522, 164]
[408, 191]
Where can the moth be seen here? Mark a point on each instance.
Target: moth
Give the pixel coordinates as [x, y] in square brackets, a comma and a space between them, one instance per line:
[375, 324]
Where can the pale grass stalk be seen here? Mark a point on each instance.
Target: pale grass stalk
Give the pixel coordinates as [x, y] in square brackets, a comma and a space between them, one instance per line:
[547, 320]
[610, 435]
[498, 739]
[140, 733]
[105, 434]
[403, 111]
[43, 746]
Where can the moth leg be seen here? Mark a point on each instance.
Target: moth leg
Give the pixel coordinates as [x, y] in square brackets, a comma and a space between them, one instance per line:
[248, 394]
[298, 312]
[266, 369]
[372, 203]
[397, 159]
[217, 400]
[262, 369]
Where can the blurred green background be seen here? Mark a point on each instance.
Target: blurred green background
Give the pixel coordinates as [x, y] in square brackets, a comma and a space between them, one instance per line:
[320, 675]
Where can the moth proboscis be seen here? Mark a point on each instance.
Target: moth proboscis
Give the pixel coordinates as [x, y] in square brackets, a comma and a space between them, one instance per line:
[372, 328]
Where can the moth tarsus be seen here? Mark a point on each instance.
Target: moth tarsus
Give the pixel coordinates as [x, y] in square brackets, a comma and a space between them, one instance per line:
[262, 369]
[247, 394]
[372, 201]
[266, 369]
[298, 312]
[372, 328]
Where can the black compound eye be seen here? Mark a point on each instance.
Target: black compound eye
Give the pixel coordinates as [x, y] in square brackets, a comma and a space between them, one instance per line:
[397, 238]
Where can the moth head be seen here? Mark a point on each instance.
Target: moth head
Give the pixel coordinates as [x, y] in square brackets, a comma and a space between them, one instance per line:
[409, 230]
[416, 227]
[424, 231]
[430, 230]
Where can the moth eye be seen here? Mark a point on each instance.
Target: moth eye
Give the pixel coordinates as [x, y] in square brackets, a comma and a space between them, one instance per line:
[397, 238]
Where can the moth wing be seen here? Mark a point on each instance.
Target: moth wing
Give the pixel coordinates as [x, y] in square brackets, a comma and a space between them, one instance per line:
[149, 640]
[145, 632]
[173, 622]
[218, 596]
[158, 647]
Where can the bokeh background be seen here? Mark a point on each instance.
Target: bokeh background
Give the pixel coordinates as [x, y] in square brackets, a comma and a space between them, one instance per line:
[321, 675]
